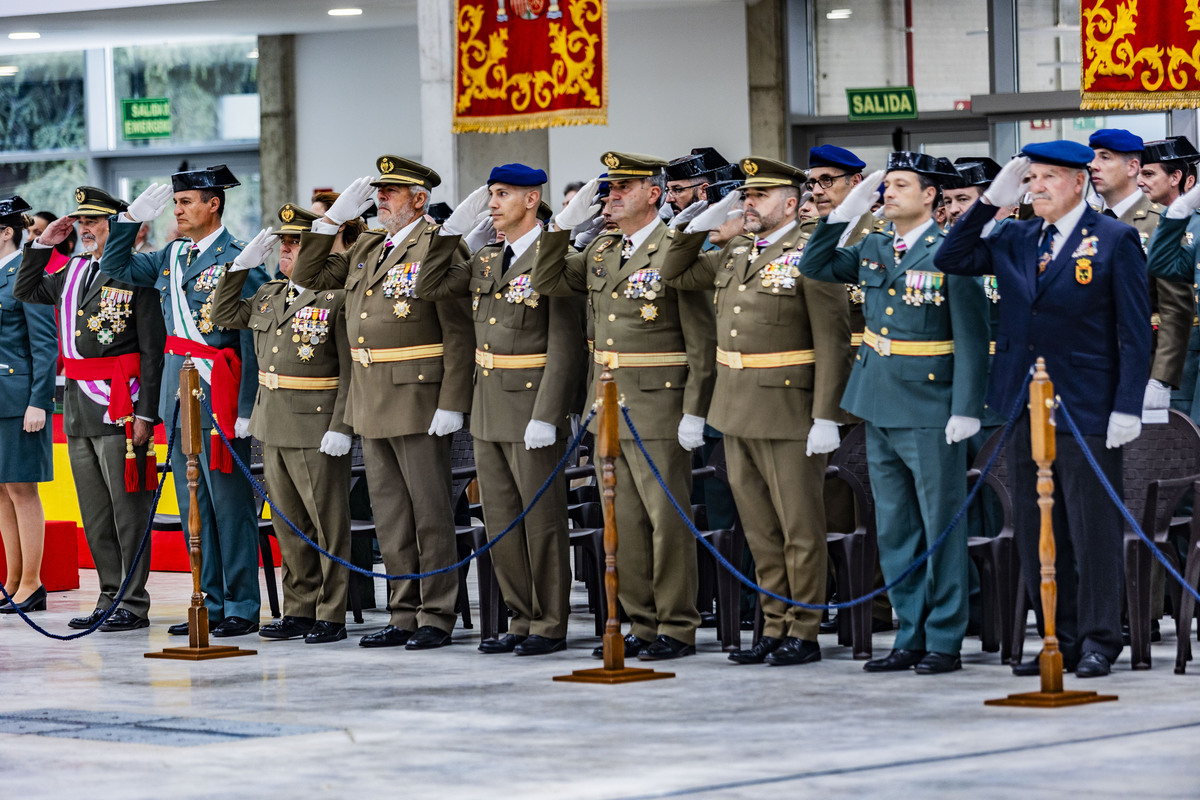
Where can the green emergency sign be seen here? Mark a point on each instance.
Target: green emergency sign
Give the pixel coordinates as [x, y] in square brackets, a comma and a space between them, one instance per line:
[145, 118]
[888, 102]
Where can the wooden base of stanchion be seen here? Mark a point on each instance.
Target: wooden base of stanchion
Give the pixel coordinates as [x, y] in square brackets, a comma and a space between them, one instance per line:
[1050, 699]
[602, 675]
[198, 648]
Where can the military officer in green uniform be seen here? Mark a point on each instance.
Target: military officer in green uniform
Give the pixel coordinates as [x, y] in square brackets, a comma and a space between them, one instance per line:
[409, 388]
[783, 358]
[111, 336]
[918, 381]
[530, 362]
[303, 378]
[185, 274]
[660, 345]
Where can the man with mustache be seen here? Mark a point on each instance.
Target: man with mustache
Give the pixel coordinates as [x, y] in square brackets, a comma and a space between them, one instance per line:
[1073, 290]
[112, 336]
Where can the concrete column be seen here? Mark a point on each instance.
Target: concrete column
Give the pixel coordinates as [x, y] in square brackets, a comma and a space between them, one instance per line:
[277, 101]
[766, 54]
[463, 160]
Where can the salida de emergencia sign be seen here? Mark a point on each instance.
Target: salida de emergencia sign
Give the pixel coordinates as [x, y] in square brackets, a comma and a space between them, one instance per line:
[888, 102]
[145, 118]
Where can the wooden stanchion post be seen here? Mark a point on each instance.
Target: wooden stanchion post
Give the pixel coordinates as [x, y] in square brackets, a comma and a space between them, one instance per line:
[608, 448]
[1042, 429]
[198, 648]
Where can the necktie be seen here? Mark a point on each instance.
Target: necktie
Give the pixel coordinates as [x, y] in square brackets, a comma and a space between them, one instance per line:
[1108, 212]
[506, 260]
[192, 252]
[93, 269]
[1046, 249]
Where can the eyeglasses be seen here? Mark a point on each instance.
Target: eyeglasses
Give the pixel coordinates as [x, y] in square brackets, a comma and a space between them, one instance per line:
[826, 181]
[678, 189]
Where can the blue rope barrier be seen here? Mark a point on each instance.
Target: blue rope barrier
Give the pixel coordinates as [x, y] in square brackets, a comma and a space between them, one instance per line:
[137, 558]
[913, 567]
[1112, 494]
[258, 488]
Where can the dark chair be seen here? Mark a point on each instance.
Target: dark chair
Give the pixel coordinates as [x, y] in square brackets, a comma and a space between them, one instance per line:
[469, 539]
[1185, 608]
[731, 544]
[996, 557]
[265, 530]
[854, 553]
[587, 540]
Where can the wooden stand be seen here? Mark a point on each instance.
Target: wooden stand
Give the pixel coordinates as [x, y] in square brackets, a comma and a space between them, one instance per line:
[198, 648]
[1041, 421]
[608, 447]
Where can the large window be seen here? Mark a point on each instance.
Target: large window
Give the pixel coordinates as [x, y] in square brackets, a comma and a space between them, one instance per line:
[45, 185]
[42, 102]
[1048, 45]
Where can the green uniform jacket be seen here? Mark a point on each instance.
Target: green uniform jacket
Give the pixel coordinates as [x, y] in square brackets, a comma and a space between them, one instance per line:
[291, 417]
[142, 333]
[920, 391]
[508, 324]
[393, 398]
[671, 321]
[755, 314]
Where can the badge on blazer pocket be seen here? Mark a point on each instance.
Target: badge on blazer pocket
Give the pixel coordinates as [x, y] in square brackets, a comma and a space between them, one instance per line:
[1083, 271]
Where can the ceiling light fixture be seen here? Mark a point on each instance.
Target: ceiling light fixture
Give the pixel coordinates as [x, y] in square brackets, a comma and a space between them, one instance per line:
[838, 13]
[253, 53]
[25, 35]
[9, 71]
[345, 12]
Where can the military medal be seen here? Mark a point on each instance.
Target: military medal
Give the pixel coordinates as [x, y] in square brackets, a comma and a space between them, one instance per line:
[643, 283]
[1087, 247]
[105, 337]
[206, 281]
[400, 308]
[857, 295]
[475, 303]
[118, 325]
[265, 306]
[305, 351]
[204, 323]
[990, 288]
[781, 273]
[922, 287]
[93, 323]
[114, 308]
[627, 249]
[401, 281]
[1083, 271]
[520, 290]
[649, 312]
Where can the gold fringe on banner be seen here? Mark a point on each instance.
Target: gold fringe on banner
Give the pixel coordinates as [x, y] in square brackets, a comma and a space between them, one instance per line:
[529, 122]
[1138, 101]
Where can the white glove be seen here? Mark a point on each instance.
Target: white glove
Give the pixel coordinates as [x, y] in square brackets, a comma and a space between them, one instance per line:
[256, 251]
[691, 432]
[151, 203]
[241, 428]
[959, 428]
[1183, 206]
[716, 215]
[583, 234]
[822, 437]
[666, 213]
[688, 214]
[445, 422]
[1122, 429]
[539, 434]
[1158, 395]
[484, 233]
[352, 202]
[860, 199]
[335, 444]
[1008, 187]
[581, 208]
[466, 216]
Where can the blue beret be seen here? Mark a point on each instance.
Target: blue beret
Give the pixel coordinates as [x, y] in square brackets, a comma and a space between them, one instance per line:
[828, 155]
[1060, 153]
[517, 175]
[1117, 140]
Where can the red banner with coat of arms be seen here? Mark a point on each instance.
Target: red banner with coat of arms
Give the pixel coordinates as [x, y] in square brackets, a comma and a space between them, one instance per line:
[525, 64]
[1141, 54]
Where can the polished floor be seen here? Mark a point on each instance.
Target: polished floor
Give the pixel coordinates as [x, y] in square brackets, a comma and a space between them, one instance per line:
[341, 721]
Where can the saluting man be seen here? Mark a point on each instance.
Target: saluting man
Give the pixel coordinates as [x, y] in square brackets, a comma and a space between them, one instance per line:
[303, 378]
[530, 362]
[409, 388]
[918, 382]
[783, 357]
[660, 345]
[111, 335]
[185, 273]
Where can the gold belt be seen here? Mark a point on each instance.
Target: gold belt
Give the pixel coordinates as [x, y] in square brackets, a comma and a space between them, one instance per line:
[616, 360]
[789, 358]
[855, 339]
[493, 361]
[274, 381]
[370, 355]
[890, 347]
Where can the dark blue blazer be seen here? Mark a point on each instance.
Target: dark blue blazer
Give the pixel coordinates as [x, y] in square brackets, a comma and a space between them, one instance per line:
[1086, 317]
[28, 350]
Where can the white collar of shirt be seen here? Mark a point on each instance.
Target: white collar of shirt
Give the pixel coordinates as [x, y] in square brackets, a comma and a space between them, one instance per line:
[1120, 208]
[638, 237]
[297, 287]
[772, 238]
[207, 241]
[1066, 225]
[5, 261]
[397, 237]
[519, 246]
[913, 236]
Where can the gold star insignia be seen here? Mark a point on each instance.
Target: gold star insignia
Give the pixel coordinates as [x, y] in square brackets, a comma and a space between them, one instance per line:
[401, 309]
[305, 351]
[649, 312]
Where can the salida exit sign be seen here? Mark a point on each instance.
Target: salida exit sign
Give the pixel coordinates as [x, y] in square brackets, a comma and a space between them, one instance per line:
[887, 102]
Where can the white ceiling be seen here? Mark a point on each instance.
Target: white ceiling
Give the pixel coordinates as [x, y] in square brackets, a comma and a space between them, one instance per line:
[82, 24]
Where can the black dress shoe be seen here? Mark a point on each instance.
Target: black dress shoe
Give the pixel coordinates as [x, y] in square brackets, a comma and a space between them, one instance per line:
[540, 645]
[895, 661]
[794, 651]
[1034, 666]
[880, 625]
[756, 654]
[1093, 665]
[35, 602]
[391, 636]
[708, 619]
[234, 626]
[287, 628]
[124, 620]
[427, 637]
[633, 646]
[505, 644]
[324, 632]
[83, 623]
[937, 663]
[829, 626]
[179, 629]
[664, 648]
